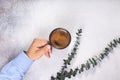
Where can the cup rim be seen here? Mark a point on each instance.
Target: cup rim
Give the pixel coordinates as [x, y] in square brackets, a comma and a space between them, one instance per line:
[61, 29]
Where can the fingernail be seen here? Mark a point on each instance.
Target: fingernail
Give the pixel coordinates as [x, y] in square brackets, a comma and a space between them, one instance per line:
[48, 55]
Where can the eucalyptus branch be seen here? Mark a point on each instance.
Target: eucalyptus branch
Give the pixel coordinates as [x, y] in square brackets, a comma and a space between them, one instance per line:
[74, 50]
[61, 74]
[90, 63]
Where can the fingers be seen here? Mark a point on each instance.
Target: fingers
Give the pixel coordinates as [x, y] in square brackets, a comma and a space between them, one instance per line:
[47, 54]
[39, 42]
[45, 50]
[39, 48]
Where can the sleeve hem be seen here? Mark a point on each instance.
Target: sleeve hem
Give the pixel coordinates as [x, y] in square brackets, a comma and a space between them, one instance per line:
[23, 61]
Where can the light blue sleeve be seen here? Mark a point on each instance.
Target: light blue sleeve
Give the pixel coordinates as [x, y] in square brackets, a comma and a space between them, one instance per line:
[16, 69]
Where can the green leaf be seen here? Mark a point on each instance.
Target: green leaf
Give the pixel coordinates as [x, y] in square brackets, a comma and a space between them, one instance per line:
[80, 71]
[52, 78]
[74, 73]
[71, 71]
[118, 40]
[65, 73]
[115, 42]
[58, 74]
[101, 55]
[82, 67]
[106, 53]
[112, 44]
[87, 65]
[106, 49]
[91, 62]
[95, 62]
[98, 58]
[79, 30]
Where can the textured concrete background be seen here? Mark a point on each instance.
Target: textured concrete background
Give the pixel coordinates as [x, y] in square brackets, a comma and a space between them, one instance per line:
[23, 20]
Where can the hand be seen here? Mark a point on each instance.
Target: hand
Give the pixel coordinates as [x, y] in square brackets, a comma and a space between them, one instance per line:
[35, 51]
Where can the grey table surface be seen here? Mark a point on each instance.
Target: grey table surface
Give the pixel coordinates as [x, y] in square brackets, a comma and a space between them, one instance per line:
[23, 20]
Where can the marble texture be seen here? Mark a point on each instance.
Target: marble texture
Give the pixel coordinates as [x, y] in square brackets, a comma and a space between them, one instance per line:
[23, 20]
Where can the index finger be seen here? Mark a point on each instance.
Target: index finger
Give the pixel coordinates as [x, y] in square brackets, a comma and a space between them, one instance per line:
[39, 42]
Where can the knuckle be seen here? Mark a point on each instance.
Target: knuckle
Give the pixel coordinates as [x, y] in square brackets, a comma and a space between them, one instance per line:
[36, 39]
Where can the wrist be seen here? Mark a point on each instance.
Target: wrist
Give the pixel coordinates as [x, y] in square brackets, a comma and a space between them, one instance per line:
[29, 55]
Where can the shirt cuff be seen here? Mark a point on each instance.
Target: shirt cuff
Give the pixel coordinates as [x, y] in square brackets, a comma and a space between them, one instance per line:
[23, 61]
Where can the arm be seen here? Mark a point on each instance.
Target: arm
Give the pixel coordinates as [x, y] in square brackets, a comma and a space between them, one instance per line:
[16, 69]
